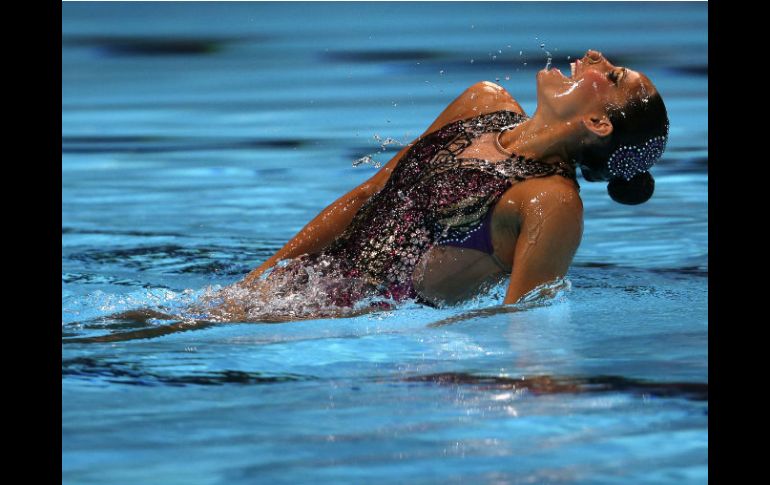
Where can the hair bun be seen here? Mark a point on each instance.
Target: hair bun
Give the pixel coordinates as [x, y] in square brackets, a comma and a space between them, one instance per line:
[635, 191]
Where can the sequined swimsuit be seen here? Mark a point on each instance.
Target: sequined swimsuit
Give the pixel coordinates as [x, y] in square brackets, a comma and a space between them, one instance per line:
[433, 197]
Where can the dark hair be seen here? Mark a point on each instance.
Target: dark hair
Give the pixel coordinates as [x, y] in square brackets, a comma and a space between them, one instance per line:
[634, 124]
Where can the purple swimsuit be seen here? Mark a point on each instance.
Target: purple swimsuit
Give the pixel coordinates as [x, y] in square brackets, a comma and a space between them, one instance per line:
[479, 239]
[433, 197]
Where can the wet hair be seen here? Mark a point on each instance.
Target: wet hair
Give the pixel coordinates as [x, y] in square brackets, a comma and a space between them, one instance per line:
[639, 135]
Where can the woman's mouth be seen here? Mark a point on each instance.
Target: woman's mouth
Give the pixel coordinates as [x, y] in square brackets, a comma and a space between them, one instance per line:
[575, 66]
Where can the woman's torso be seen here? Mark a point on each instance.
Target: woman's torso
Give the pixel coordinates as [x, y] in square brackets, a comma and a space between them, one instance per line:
[408, 238]
[452, 271]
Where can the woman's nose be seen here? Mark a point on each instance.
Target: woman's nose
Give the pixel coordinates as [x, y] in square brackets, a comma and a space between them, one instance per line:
[593, 56]
[596, 60]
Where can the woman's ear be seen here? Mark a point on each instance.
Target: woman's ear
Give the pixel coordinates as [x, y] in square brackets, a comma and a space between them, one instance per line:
[598, 124]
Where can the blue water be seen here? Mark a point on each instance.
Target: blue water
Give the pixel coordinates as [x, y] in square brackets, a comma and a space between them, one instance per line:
[197, 138]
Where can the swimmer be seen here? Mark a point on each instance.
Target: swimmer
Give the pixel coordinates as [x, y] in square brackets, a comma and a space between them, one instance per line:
[485, 194]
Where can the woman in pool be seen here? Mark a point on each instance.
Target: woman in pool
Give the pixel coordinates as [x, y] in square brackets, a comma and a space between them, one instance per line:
[486, 193]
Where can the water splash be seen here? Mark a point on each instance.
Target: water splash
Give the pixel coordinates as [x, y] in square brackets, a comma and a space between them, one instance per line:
[99, 303]
[384, 144]
[366, 160]
[297, 289]
[570, 88]
[547, 293]
[548, 56]
[487, 303]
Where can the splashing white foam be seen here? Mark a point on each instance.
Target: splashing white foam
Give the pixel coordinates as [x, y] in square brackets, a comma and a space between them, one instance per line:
[293, 290]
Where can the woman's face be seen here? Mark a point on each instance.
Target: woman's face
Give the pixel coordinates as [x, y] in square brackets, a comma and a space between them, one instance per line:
[594, 85]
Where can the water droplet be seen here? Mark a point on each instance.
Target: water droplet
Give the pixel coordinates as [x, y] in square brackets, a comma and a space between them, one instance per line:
[507, 78]
[494, 57]
[441, 72]
[549, 57]
[365, 159]
[472, 61]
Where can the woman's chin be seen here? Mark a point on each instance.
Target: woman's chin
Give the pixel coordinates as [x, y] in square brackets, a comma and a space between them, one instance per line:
[545, 75]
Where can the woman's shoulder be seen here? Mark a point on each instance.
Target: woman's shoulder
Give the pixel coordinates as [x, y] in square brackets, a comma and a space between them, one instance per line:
[487, 96]
[541, 194]
[483, 97]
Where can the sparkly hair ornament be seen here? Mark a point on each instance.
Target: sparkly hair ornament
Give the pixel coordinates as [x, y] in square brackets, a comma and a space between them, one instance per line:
[628, 161]
[629, 167]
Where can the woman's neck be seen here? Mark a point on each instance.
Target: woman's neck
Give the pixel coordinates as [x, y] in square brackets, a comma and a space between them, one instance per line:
[538, 139]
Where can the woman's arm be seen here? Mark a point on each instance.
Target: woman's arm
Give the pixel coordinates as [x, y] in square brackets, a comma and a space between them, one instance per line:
[551, 227]
[331, 222]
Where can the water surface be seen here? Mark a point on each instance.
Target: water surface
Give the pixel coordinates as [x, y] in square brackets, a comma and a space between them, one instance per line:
[197, 138]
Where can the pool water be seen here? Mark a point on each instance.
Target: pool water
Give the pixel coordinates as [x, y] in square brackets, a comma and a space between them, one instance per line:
[197, 138]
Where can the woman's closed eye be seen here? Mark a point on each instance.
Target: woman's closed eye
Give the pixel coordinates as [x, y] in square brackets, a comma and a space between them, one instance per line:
[616, 75]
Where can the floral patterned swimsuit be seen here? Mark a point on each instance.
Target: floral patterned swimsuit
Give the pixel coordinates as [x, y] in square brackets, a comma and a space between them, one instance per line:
[433, 197]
